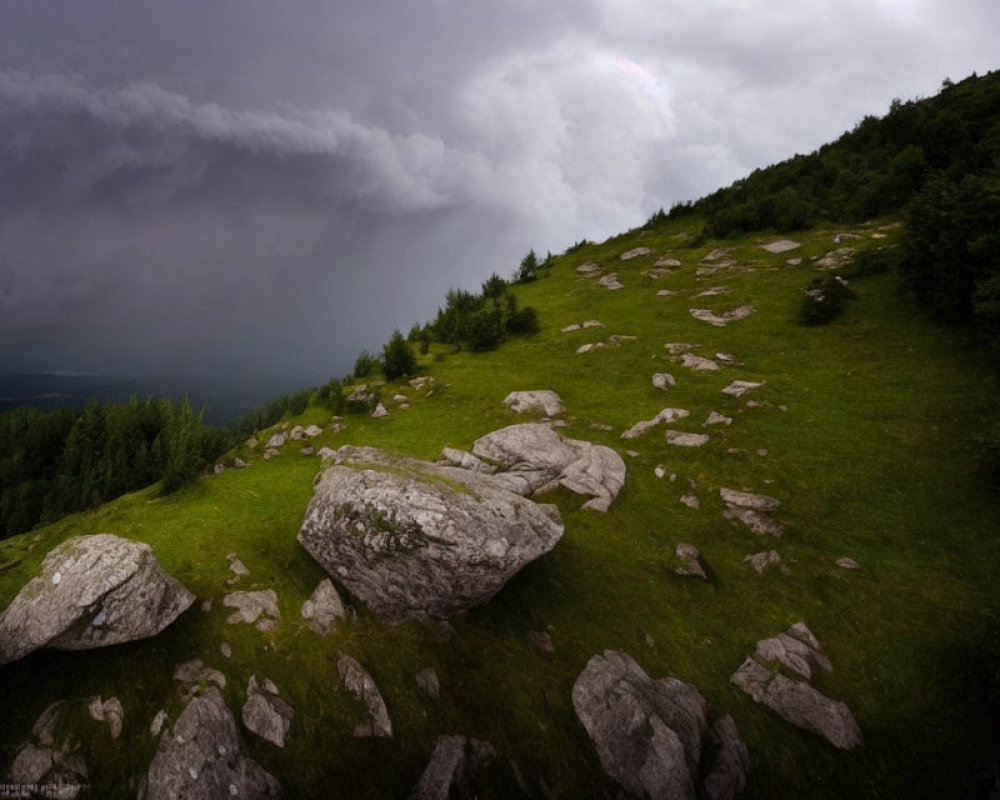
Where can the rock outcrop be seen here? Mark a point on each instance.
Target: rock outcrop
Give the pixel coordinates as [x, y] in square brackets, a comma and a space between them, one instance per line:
[411, 538]
[201, 758]
[652, 735]
[542, 400]
[52, 759]
[324, 608]
[258, 608]
[753, 510]
[684, 439]
[636, 252]
[452, 772]
[92, 591]
[359, 683]
[537, 459]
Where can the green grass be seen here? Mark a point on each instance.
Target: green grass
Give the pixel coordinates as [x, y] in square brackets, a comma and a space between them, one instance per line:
[875, 458]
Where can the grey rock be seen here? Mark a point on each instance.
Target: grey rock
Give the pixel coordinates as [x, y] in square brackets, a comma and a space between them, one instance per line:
[251, 443]
[797, 649]
[276, 441]
[601, 426]
[757, 521]
[757, 502]
[763, 560]
[715, 418]
[201, 758]
[636, 252]
[271, 453]
[800, 704]
[379, 412]
[667, 416]
[451, 773]
[544, 401]
[691, 501]
[54, 759]
[698, 363]
[593, 323]
[739, 388]
[313, 430]
[542, 640]
[589, 269]
[586, 348]
[781, 246]
[847, 563]
[427, 680]
[720, 321]
[663, 380]
[716, 254]
[648, 734]
[239, 463]
[156, 726]
[713, 291]
[237, 567]
[453, 457]
[537, 458]
[728, 761]
[611, 282]
[193, 674]
[360, 684]
[265, 713]
[92, 591]
[324, 608]
[667, 262]
[298, 434]
[109, 711]
[682, 439]
[620, 338]
[226, 649]
[411, 538]
[678, 348]
[659, 471]
[326, 453]
[570, 328]
[689, 561]
[250, 606]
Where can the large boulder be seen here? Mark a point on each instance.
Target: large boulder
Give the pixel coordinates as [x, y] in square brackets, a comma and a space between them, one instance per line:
[92, 591]
[201, 758]
[413, 538]
[536, 458]
[648, 734]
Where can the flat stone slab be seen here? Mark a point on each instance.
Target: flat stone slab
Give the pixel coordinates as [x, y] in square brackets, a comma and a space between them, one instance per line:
[636, 252]
[758, 502]
[781, 246]
[698, 363]
[740, 388]
[682, 439]
[721, 320]
[252, 606]
[265, 713]
[666, 416]
[611, 282]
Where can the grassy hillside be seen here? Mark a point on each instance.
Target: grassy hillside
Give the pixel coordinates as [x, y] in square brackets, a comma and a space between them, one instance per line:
[875, 458]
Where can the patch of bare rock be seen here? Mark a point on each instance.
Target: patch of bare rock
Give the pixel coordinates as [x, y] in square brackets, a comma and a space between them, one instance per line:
[687, 560]
[847, 563]
[796, 701]
[740, 388]
[544, 401]
[412, 538]
[92, 591]
[685, 439]
[667, 416]
[652, 736]
[781, 246]
[201, 758]
[721, 320]
[589, 269]
[753, 510]
[259, 608]
[763, 560]
[636, 252]
[611, 282]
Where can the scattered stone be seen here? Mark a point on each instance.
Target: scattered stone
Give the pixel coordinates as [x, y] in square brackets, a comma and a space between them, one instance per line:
[314, 430]
[157, 724]
[542, 640]
[667, 262]
[659, 471]
[404, 406]
[794, 262]
[716, 418]
[763, 560]
[206, 605]
[276, 441]
[298, 434]
[620, 338]
[752, 510]
[265, 713]
[666, 293]
[360, 684]
[53, 759]
[413, 538]
[729, 761]
[586, 348]
[326, 453]
[663, 380]
[651, 736]
[716, 254]
[682, 439]
[601, 426]
[324, 608]
[739, 388]
[847, 563]
[799, 703]
[593, 323]
[251, 443]
[711, 318]
[762, 452]
[796, 649]
[427, 680]
[270, 453]
[781, 246]
[691, 501]
[239, 463]
[252, 605]
[201, 758]
[109, 711]
[237, 567]
[193, 674]
[452, 773]
[379, 412]
[92, 591]
[714, 291]
[571, 328]
[698, 363]
[544, 401]
[537, 458]
[453, 457]
[632, 453]
[218, 469]
[689, 561]
[666, 416]
[589, 269]
[226, 649]
[611, 282]
[835, 258]
[423, 382]
[678, 348]
[636, 252]
[308, 450]
[758, 502]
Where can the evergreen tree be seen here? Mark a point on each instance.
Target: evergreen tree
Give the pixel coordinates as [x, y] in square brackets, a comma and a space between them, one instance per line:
[397, 358]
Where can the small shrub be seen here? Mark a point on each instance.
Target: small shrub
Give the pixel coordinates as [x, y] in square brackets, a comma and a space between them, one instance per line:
[397, 358]
[365, 364]
[872, 262]
[824, 300]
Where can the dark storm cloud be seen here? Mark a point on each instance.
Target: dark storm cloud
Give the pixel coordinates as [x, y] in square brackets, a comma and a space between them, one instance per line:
[190, 183]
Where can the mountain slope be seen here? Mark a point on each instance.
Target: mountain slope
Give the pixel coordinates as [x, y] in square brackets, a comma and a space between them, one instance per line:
[874, 458]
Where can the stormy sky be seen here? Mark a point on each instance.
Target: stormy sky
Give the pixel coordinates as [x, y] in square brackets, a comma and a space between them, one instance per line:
[247, 184]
